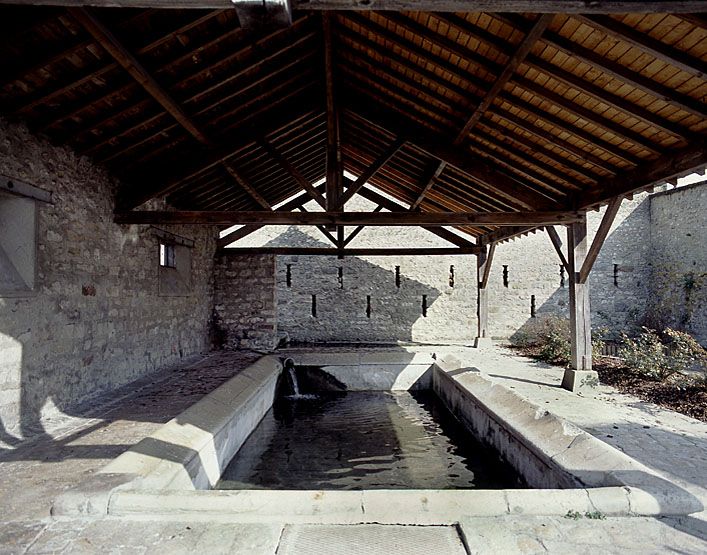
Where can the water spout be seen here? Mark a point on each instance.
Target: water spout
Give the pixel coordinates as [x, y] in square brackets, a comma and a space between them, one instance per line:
[294, 384]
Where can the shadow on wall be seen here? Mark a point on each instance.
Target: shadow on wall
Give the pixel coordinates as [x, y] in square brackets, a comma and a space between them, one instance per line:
[619, 284]
[327, 299]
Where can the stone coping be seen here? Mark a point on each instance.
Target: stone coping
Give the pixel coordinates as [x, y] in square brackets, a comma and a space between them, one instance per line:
[413, 507]
[165, 475]
[190, 451]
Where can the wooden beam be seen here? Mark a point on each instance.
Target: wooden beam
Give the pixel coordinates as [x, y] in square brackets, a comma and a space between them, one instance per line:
[334, 162]
[504, 234]
[483, 282]
[673, 164]
[599, 238]
[521, 6]
[256, 15]
[663, 52]
[18, 188]
[441, 148]
[379, 162]
[247, 187]
[483, 269]
[324, 231]
[626, 75]
[358, 230]
[580, 316]
[557, 243]
[244, 231]
[395, 207]
[428, 184]
[325, 251]
[348, 218]
[510, 68]
[293, 171]
[106, 39]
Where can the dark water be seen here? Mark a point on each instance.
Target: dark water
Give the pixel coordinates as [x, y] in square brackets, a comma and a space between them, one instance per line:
[367, 440]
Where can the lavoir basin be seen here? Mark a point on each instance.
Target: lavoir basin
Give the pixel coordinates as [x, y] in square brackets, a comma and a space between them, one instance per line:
[390, 438]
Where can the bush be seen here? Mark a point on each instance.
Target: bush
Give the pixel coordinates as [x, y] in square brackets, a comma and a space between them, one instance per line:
[658, 356]
[550, 336]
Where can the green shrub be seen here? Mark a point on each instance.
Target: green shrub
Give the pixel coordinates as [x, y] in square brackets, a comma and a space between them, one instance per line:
[659, 356]
[550, 335]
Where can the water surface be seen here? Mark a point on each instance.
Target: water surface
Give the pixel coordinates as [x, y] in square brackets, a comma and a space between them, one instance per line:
[365, 440]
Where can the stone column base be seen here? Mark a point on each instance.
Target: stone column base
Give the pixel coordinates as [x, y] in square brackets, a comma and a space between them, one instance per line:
[579, 380]
[483, 343]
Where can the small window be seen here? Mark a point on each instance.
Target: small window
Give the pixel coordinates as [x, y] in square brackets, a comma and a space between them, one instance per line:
[167, 256]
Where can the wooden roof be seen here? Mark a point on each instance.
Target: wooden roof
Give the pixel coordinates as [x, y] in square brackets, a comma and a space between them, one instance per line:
[446, 112]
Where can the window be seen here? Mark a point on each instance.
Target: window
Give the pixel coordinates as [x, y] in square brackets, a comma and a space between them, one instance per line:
[167, 256]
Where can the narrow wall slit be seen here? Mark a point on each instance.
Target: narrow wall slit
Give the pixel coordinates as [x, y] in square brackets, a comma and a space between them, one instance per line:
[368, 306]
[532, 306]
[341, 277]
[314, 306]
[451, 276]
[424, 305]
[288, 275]
[397, 277]
[505, 275]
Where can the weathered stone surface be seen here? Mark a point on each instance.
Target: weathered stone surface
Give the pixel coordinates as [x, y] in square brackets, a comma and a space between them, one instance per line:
[245, 302]
[96, 319]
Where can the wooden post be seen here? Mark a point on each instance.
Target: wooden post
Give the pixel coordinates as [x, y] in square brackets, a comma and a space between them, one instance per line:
[483, 269]
[580, 374]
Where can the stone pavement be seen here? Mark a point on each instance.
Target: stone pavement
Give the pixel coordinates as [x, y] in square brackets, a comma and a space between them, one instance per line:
[32, 473]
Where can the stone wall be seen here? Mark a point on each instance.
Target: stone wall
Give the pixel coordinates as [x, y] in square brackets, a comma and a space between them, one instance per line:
[533, 270]
[679, 256]
[245, 302]
[96, 319]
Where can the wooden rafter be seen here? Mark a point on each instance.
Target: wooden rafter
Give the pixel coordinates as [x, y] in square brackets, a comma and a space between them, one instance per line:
[440, 148]
[367, 174]
[105, 38]
[351, 236]
[509, 69]
[646, 43]
[247, 187]
[293, 171]
[682, 162]
[428, 183]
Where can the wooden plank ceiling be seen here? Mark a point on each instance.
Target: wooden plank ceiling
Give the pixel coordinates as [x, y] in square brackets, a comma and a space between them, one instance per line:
[445, 112]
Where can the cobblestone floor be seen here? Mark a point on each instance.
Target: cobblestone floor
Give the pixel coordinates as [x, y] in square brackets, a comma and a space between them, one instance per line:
[32, 473]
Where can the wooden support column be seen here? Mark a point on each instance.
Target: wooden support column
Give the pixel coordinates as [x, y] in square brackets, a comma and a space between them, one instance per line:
[483, 269]
[580, 374]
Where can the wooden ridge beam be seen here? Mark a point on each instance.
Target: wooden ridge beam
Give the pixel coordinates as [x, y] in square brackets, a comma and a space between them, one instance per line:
[604, 227]
[520, 6]
[510, 68]
[334, 162]
[325, 251]
[212, 217]
[378, 163]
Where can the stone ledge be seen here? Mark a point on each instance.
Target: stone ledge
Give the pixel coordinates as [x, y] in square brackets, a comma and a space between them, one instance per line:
[545, 447]
[190, 451]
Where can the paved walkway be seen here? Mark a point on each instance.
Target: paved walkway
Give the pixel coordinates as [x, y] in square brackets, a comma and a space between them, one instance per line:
[34, 472]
